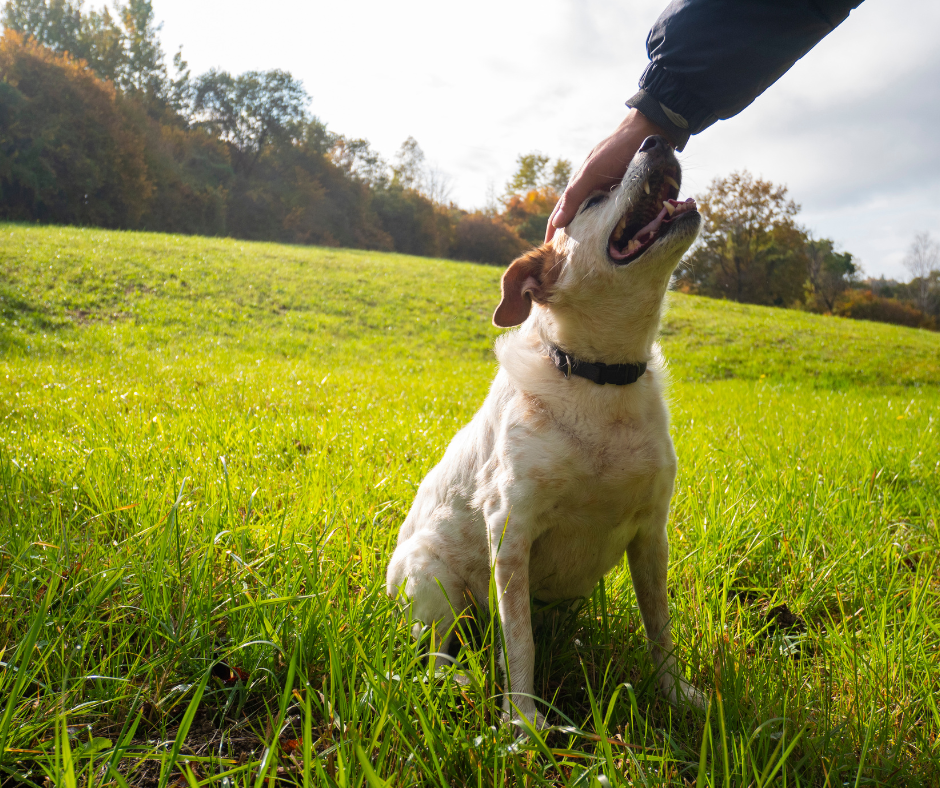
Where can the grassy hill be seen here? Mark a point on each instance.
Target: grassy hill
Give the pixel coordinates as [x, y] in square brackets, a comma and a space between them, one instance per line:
[253, 297]
[207, 446]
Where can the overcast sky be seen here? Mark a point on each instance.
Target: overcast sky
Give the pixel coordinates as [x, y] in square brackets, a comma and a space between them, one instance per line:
[852, 128]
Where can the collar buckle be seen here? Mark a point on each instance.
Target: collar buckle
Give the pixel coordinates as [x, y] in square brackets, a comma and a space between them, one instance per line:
[597, 372]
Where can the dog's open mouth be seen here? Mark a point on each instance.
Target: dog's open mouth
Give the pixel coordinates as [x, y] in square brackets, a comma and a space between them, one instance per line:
[649, 218]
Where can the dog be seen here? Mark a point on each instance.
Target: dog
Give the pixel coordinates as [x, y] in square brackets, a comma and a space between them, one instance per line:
[568, 464]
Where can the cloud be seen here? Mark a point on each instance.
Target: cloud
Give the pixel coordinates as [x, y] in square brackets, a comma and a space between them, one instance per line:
[848, 149]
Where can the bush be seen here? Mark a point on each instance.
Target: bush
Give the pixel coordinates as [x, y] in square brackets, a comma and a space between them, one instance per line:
[865, 305]
[532, 229]
[527, 214]
[415, 224]
[483, 239]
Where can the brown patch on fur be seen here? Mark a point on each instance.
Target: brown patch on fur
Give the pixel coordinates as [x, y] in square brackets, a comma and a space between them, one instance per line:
[529, 278]
[534, 412]
[542, 480]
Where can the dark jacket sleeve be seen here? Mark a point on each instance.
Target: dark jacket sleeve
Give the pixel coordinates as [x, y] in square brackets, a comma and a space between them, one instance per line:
[709, 59]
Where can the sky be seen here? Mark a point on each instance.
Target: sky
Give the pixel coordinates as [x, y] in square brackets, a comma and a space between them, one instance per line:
[852, 129]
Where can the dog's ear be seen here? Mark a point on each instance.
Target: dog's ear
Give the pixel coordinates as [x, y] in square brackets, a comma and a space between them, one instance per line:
[529, 278]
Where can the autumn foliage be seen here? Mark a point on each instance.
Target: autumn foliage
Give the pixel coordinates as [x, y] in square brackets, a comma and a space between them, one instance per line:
[217, 155]
[531, 194]
[71, 151]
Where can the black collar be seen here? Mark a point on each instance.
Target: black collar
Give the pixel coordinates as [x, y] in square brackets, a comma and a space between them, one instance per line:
[615, 374]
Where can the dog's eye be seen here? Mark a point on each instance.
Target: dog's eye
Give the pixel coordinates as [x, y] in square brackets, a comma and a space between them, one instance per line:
[593, 201]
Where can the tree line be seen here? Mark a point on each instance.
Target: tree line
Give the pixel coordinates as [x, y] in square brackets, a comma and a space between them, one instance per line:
[97, 129]
[752, 250]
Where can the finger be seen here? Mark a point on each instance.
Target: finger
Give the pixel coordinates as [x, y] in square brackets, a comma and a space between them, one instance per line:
[567, 207]
[550, 227]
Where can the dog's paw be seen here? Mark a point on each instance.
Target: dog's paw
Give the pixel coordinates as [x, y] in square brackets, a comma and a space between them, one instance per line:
[690, 696]
[463, 679]
[680, 693]
[525, 720]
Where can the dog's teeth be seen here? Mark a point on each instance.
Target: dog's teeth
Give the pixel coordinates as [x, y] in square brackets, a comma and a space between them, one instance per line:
[646, 186]
[669, 207]
[632, 246]
[672, 182]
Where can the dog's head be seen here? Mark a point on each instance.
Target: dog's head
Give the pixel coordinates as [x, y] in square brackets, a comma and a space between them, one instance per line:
[598, 287]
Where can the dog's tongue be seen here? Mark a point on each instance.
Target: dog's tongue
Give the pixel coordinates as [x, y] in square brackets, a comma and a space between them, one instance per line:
[653, 226]
[677, 207]
[645, 235]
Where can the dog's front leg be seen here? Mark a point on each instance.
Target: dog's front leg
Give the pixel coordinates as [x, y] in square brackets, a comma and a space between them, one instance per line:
[509, 555]
[648, 554]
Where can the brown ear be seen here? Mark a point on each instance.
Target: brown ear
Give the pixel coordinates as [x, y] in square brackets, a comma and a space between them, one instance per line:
[530, 277]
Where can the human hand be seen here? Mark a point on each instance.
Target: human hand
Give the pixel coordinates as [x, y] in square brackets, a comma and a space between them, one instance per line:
[603, 168]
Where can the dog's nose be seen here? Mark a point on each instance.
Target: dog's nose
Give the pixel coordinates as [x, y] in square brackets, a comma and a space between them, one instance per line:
[649, 144]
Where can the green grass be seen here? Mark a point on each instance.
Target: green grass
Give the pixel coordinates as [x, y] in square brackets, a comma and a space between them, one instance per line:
[207, 447]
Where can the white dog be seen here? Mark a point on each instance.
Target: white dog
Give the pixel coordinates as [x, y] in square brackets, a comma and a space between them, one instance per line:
[569, 462]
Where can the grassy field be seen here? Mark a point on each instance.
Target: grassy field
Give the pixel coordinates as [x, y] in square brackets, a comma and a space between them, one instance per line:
[207, 447]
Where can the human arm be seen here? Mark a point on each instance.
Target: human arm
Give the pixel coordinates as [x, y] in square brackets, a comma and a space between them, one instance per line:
[709, 59]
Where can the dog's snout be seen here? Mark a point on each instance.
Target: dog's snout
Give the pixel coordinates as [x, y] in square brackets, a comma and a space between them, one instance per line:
[654, 152]
[651, 143]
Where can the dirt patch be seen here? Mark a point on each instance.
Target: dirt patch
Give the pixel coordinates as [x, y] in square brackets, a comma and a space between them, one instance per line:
[84, 317]
[782, 619]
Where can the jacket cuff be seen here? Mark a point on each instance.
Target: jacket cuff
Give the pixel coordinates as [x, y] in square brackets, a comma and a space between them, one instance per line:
[664, 101]
[648, 106]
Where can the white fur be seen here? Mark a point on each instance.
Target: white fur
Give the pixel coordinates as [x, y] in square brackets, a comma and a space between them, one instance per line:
[555, 479]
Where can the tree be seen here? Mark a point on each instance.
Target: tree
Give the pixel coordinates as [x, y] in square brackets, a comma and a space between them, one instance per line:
[529, 174]
[750, 248]
[437, 186]
[56, 24]
[408, 169]
[180, 90]
[101, 45]
[250, 111]
[143, 70]
[533, 174]
[830, 273]
[561, 174]
[922, 260]
[358, 160]
[128, 54]
[532, 193]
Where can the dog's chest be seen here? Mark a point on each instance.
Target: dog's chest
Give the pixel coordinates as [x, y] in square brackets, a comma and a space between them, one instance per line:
[596, 454]
[601, 484]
